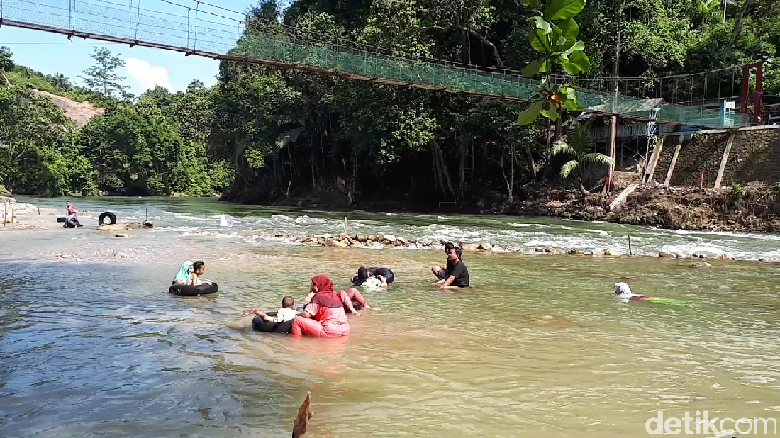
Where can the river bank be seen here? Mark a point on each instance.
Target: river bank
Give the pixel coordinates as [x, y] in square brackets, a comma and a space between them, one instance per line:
[24, 216]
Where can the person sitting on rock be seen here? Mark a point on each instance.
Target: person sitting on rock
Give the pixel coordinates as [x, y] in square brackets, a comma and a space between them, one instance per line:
[373, 277]
[456, 274]
[286, 313]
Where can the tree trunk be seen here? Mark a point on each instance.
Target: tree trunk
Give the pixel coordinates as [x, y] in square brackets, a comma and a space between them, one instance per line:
[613, 120]
[443, 167]
[738, 24]
[462, 170]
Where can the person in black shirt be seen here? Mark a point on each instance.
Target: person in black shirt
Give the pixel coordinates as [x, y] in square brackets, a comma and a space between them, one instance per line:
[384, 275]
[455, 275]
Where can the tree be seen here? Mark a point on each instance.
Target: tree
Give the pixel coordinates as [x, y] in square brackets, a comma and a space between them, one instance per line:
[103, 77]
[6, 59]
[553, 35]
[579, 147]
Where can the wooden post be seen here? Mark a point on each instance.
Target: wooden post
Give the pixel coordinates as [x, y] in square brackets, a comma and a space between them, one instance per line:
[656, 155]
[612, 135]
[724, 159]
[671, 166]
[629, 244]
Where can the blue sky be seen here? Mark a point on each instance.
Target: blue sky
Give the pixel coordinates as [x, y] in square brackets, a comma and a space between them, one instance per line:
[144, 67]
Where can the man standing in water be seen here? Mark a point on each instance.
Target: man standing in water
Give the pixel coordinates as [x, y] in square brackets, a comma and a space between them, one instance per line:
[455, 275]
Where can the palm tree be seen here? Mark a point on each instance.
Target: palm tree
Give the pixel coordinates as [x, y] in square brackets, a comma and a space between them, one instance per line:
[579, 146]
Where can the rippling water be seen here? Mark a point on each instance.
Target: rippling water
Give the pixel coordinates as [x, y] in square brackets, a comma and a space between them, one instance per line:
[92, 344]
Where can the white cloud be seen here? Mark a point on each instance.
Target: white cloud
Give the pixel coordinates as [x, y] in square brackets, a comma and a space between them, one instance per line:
[147, 75]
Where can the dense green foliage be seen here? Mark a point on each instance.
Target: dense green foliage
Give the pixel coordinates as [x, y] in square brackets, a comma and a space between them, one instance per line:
[153, 145]
[265, 134]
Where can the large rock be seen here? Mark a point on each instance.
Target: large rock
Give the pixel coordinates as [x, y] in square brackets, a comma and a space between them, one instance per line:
[120, 227]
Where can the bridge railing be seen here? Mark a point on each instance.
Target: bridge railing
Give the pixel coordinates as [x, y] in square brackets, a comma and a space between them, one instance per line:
[190, 30]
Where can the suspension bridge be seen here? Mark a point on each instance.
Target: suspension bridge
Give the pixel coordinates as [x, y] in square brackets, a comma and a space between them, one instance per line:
[190, 33]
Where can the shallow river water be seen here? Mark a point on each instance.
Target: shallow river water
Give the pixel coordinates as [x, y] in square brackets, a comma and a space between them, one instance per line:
[91, 344]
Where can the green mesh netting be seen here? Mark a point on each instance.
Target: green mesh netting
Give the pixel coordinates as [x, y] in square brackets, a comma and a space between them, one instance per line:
[188, 28]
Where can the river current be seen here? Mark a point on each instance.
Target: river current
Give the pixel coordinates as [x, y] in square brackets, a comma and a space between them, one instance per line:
[91, 343]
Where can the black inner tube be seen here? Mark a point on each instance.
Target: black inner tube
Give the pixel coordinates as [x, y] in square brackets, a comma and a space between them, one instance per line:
[261, 325]
[109, 215]
[192, 291]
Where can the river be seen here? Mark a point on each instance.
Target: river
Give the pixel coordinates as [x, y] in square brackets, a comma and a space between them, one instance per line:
[91, 343]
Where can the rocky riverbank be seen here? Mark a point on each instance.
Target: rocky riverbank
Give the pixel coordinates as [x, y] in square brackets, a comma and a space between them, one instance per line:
[22, 216]
[737, 209]
[750, 208]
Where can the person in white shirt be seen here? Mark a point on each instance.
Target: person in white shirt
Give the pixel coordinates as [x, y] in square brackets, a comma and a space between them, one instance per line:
[286, 313]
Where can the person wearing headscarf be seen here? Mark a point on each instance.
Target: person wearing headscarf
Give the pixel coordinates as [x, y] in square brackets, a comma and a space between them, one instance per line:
[183, 276]
[324, 316]
[353, 294]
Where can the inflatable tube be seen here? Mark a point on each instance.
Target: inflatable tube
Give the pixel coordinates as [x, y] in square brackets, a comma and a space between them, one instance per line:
[260, 325]
[107, 214]
[61, 220]
[193, 291]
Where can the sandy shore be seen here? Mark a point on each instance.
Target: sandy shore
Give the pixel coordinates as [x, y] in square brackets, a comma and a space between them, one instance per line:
[21, 216]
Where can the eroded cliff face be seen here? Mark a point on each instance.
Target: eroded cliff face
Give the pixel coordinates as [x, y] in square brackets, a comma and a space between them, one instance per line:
[79, 112]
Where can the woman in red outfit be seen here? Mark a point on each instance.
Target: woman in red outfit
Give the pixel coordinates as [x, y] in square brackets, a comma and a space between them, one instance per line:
[324, 316]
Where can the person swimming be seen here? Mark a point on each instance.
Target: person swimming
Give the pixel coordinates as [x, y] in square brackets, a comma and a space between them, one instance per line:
[373, 277]
[623, 292]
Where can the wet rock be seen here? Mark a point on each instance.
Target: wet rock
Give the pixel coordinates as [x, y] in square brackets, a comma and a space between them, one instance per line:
[469, 247]
[680, 255]
[124, 235]
[553, 251]
[120, 227]
[725, 257]
[574, 252]
[437, 247]
[280, 234]
[665, 254]
[484, 246]
[498, 249]
[148, 224]
[302, 238]
[611, 252]
[358, 244]
[341, 244]
[538, 249]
